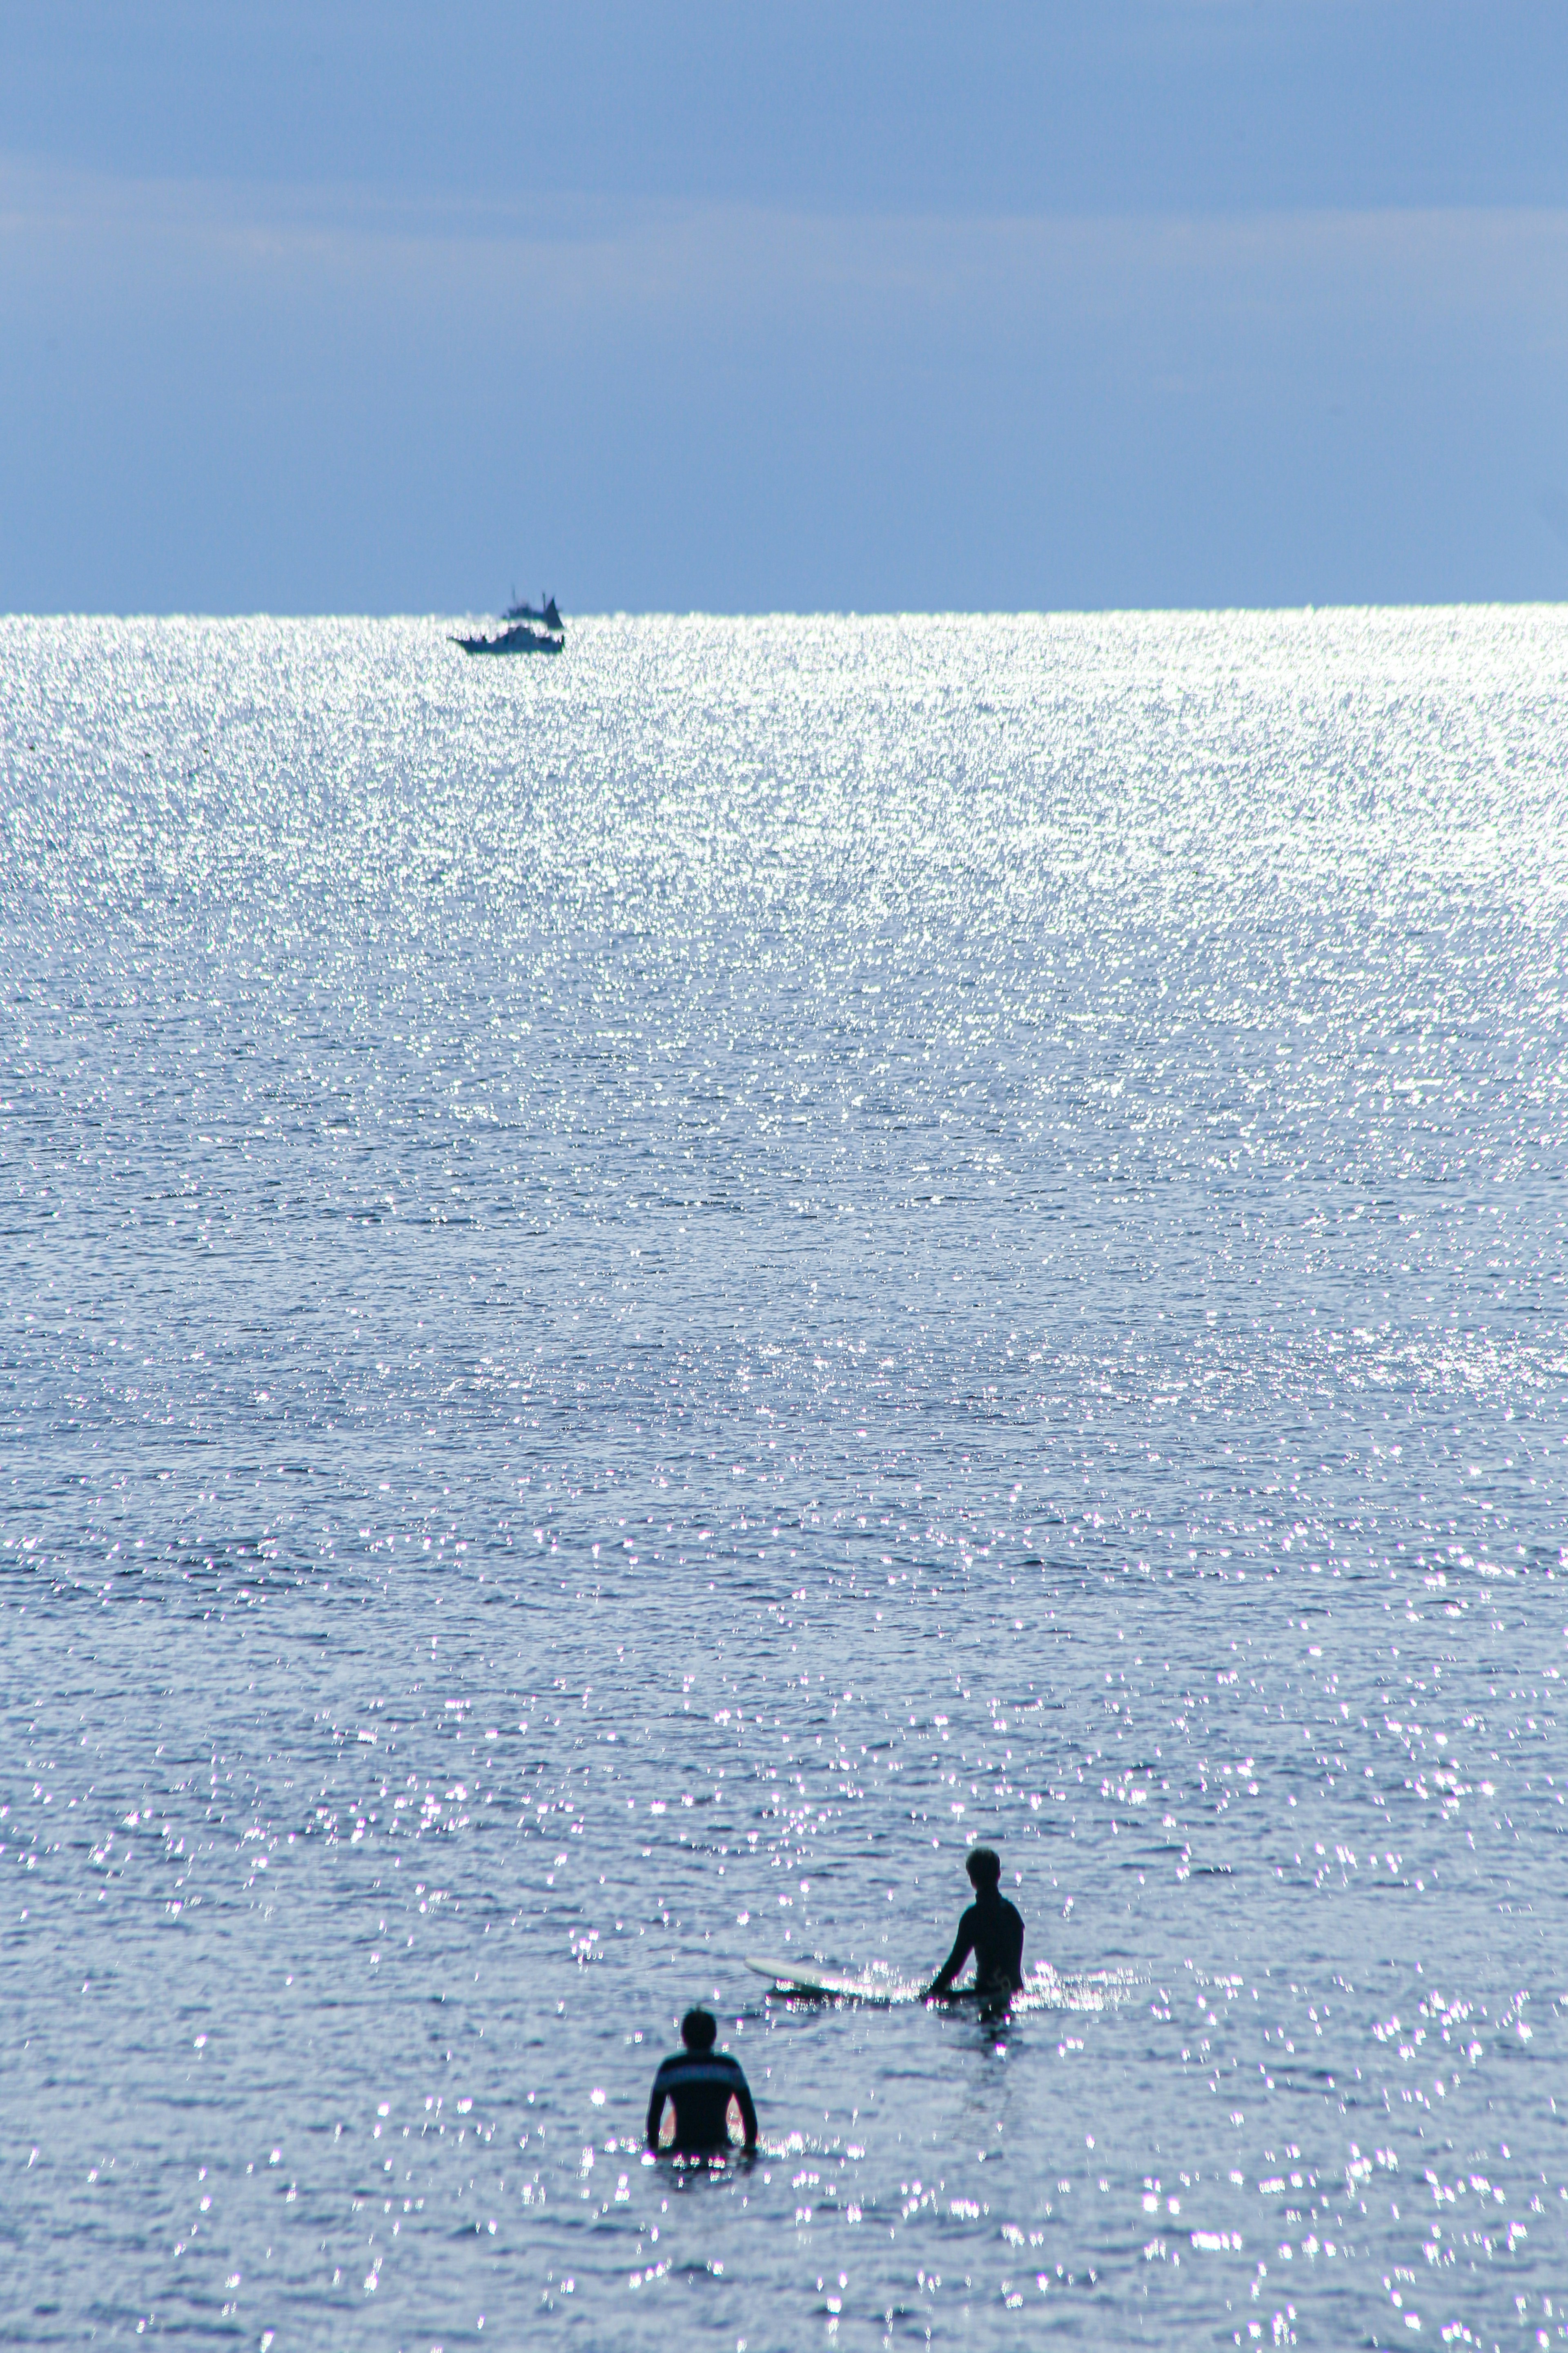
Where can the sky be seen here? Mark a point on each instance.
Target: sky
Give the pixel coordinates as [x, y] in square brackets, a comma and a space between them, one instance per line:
[753, 307]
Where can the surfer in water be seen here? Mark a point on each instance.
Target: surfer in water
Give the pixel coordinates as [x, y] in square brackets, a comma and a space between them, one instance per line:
[993, 1930]
[697, 2094]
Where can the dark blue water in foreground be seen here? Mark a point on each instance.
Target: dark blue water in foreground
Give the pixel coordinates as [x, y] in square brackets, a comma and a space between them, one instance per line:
[640, 1295]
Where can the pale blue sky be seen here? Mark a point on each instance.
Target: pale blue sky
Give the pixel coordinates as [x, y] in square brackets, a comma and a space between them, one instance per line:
[1137, 302]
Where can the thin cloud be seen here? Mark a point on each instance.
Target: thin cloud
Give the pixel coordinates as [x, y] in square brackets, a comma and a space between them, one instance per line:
[576, 254]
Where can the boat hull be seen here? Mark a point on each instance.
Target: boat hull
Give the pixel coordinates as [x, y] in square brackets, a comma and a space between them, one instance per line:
[513, 641]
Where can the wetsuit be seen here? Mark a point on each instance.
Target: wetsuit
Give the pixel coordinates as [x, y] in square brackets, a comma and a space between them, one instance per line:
[993, 1930]
[701, 2084]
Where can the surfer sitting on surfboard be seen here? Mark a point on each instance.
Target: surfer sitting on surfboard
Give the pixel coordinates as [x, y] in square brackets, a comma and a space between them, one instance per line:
[698, 2095]
[992, 1929]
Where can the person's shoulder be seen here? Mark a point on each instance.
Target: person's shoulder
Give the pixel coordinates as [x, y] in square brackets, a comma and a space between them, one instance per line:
[697, 2063]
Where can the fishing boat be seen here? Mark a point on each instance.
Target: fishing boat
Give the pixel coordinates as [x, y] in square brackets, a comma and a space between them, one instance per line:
[530, 629]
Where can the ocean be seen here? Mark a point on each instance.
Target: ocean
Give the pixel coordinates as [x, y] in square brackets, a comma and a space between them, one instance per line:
[645, 1294]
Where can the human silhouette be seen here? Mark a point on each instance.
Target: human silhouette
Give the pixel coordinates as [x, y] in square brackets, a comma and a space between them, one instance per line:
[694, 2092]
[992, 1929]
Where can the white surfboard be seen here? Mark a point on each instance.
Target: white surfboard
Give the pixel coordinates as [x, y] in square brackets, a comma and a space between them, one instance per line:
[1042, 1988]
[809, 1981]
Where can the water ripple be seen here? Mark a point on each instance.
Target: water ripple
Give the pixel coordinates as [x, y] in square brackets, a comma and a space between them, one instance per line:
[640, 1302]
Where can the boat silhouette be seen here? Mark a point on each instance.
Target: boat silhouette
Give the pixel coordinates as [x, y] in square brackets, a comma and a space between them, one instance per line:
[531, 629]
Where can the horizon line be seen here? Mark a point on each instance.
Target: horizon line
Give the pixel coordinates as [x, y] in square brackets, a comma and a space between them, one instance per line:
[436, 618]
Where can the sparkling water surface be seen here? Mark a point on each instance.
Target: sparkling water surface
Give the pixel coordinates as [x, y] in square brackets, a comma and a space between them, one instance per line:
[644, 1293]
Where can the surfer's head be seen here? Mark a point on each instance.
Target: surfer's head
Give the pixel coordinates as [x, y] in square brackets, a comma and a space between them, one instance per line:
[984, 1869]
[698, 2029]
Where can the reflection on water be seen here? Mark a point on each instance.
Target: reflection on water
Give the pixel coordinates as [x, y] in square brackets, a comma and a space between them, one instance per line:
[639, 1303]
[1044, 1989]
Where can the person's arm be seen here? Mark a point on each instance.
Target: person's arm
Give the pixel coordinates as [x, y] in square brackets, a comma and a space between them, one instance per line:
[963, 1947]
[655, 2108]
[748, 2113]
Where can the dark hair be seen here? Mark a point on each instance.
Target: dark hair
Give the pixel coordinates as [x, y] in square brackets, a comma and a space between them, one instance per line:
[985, 1868]
[698, 2029]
